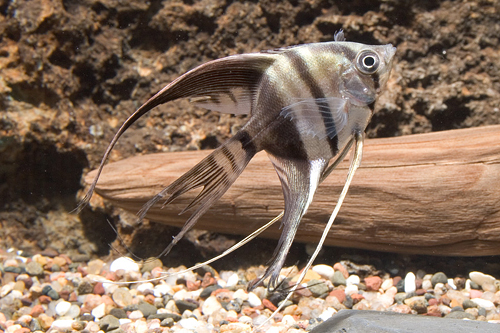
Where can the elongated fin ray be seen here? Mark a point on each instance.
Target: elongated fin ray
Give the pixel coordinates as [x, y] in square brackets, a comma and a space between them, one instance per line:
[319, 117]
[211, 80]
[215, 173]
[355, 162]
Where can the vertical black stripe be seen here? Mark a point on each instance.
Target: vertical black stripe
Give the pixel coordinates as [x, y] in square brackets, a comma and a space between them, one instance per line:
[316, 91]
[246, 143]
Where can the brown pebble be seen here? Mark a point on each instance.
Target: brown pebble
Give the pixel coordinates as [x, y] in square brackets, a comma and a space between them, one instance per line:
[445, 300]
[454, 303]
[45, 321]
[22, 330]
[433, 310]
[356, 297]
[395, 280]
[192, 286]
[99, 289]
[36, 311]
[78, 325]
[150, 299]
[373, 283]
[420, 292]
[44, 299]
[433, 301]
[73, 297]
[339, 267]
[267, 304]
[339, 293]
[208, 280]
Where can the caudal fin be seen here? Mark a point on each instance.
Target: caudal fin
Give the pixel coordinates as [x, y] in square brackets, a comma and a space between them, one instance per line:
[215, 173]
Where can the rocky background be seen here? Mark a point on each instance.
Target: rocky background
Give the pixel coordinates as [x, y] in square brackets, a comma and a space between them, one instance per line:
[72, 71]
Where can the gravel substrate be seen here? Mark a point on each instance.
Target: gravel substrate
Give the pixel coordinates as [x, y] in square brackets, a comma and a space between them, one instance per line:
[55, 294]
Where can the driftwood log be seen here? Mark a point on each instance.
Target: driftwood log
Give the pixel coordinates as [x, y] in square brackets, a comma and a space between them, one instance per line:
[436, 193]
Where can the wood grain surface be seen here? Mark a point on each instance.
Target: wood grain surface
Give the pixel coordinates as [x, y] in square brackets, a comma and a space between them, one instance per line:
[436, 193]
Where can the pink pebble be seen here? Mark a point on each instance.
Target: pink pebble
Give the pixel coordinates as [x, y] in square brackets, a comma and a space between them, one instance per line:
[475, 293]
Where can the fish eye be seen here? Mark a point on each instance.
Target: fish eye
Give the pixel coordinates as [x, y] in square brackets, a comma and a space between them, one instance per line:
[367, 62]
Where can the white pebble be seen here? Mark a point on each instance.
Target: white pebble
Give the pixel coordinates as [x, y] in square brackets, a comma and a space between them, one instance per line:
[451, 283]
[124, 321]
[189, 323]
[352, 279]
[232, 280]
[145, 287]
[161, 290]
[134, 315]
[13, 328]
[324, 270]
[62, 324]
[99, 311]
[241, 294]
[351, 289]
[245, 320]
[6, 289]
[288, 320]
[481, 278]
[210, 305]
[253, 300]
[410, 286]
[62, 308]
[124, 263]
[484, 303]
[327, 313]
[467, 285]
[427, 285]
[387, 284]
[140, 327]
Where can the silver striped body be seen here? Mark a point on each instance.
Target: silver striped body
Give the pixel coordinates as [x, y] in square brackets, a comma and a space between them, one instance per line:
[305, 104]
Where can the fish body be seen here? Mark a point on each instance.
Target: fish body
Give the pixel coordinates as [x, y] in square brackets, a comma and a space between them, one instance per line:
[305, 104]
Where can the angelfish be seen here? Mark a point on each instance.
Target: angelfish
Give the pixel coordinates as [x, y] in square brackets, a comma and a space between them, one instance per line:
[306, 103]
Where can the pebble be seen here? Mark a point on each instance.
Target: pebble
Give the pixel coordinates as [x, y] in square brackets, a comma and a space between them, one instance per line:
[254, 300]
[147, 309]
[72, 300]
[352, 279]
[122, 297]
[374, 283]
[439, 277]
[324, 271]
[62, 308]
[410, 285]
[99, 311]
[338, 279]
[33, 268]
[232, 281]
[124, 263]
[480, 278]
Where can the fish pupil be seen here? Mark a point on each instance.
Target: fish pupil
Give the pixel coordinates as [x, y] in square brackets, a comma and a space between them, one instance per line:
[369, 61]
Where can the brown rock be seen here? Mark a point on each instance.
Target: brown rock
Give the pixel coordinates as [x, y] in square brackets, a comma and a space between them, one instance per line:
[356, 298]
[99, 289]
[36, 311]
[192, 286]
[267, 304]
[45, 321]
[44, 299]
[339, 293]
[433, 310]
[373, 283]
[208, 280]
